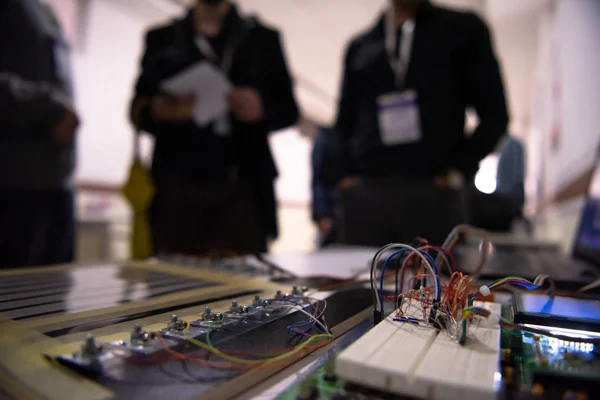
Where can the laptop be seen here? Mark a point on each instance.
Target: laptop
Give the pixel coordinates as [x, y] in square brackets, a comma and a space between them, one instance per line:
[582, 267]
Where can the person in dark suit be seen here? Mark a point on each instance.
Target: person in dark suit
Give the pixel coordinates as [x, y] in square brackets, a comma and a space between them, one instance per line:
[38, 130]
[214, 183]
[401, 154]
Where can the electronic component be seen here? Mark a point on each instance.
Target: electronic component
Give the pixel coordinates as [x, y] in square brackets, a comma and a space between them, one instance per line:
[561, 367]
[415, 359]
[139, 337]
[178, 333]
[176, 324]
[89, 359]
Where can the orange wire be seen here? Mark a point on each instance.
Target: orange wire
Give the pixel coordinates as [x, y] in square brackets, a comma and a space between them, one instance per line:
[450, 291]
[460, 297]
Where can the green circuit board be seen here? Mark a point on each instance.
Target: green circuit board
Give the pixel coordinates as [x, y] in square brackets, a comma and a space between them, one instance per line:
[321, 384]
[535, 363]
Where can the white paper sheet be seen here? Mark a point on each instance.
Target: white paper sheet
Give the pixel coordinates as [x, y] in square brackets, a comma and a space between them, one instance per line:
[210, 87]
[337, 262]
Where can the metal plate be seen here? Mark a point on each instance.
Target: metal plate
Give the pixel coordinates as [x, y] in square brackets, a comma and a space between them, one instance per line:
[82, 289]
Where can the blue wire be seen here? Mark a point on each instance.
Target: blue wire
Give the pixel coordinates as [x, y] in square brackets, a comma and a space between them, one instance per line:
[299, 323]
[304, 323]
[424, 253]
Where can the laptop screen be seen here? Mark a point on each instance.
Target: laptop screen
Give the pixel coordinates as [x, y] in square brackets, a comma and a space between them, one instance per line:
[587, 242]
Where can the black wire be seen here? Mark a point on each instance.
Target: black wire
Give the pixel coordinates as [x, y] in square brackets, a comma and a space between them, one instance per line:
[173, 375]
[297, 338]
[193, 379]
[373, 266]
[397, 283]
[201, 379]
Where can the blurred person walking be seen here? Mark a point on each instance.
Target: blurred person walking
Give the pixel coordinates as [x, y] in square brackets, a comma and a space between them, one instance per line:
[324, 195]
[510, 177]
[214, 183]
[37, 137]
[502, 210]
[401, 154]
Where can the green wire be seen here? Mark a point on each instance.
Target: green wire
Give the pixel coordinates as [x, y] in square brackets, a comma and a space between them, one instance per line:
[210, 327]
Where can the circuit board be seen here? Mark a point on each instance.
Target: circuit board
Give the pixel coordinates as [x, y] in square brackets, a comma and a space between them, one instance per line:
[137, 364]
[533, 367]
[558, 369]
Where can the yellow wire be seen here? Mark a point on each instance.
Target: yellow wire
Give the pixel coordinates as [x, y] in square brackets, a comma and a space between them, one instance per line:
[237, 360]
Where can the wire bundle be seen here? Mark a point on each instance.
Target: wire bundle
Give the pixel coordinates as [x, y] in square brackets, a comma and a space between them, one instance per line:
[538, 283]
[401, 249]
[470, 312]
[456, 294]
[444, 305]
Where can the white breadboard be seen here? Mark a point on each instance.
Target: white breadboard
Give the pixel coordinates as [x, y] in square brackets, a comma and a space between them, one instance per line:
[416, 360]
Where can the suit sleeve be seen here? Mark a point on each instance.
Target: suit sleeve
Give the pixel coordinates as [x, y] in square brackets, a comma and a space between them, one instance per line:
[338, 161]
[485, 92]
[28, 106]
[281, 109]
[146, 86]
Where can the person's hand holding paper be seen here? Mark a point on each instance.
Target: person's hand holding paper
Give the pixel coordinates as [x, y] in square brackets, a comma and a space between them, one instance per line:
[246, 105]
[171, 108]
[209, 88]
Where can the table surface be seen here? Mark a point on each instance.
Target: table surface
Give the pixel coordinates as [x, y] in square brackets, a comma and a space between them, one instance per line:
[338, 262]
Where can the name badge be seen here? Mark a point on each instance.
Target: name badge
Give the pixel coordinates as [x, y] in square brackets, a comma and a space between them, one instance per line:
[399, 120]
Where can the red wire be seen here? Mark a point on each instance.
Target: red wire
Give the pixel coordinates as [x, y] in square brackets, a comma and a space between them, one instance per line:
[193, 357]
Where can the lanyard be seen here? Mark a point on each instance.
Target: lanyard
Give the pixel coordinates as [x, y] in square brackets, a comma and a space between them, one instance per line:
[224, 62]
[398, 53]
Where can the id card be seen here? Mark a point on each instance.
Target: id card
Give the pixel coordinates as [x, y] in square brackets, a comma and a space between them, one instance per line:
[399, 120]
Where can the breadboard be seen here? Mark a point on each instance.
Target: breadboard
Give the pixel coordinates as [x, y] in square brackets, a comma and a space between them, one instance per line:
[416, 360]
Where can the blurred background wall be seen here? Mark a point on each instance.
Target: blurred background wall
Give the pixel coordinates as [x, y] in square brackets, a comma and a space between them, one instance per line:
[548, 50]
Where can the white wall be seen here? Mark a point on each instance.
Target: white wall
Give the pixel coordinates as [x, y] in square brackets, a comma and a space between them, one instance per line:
[578, 30]
[515, 37]
[105, 70]
[67, 12]
[565, 128]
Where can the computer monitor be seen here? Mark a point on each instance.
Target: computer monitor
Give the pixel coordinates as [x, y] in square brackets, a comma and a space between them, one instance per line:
[587, 241]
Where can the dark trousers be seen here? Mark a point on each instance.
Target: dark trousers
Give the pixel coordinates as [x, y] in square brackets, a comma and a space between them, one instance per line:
[203, 218]
[36, 227]
[378, 211]
[494, 212]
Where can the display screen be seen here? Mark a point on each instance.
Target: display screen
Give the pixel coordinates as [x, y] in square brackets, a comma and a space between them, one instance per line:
[558, 313]
[587, 243]
[560, 307]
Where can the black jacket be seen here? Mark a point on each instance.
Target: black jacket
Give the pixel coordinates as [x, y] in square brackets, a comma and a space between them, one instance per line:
[452, 67]
[258, 62]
